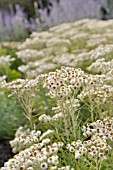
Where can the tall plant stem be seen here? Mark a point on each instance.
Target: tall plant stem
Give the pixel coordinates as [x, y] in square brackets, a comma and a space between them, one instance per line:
[65, 122]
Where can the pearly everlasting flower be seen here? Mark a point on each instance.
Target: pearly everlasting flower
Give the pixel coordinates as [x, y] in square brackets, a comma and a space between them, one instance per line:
[101, 65]
[24, 139]
[44, 165]
[35, 157]
[5, 61]
[29, 54]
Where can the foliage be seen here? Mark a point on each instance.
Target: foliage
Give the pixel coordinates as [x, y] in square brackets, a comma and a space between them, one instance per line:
[3, 51]
[13, 74]
[11, 116]
[13, 26]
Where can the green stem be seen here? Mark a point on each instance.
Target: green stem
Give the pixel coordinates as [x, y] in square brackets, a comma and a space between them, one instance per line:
[66, 128]
[91, 109]
[65, 122]
[74, 122]
[97, 165]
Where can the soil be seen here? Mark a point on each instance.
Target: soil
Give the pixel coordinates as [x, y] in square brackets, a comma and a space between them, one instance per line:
[5, 152]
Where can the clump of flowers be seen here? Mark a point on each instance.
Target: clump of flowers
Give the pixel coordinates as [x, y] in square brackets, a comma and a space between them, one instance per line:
[62, 82]
[98, 98]
[65, 85]
[66, 45]
[25, 91]
[98, 146]
[29, 54]
[101, 51]
[46, 118]
[40, 156]
[24, 138]
[101, 66]
[5, 61]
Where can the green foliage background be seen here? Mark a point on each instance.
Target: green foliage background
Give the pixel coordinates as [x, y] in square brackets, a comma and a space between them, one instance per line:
[11, 117]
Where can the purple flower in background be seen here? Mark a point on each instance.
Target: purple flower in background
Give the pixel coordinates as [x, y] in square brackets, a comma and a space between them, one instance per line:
[15, 25]
[71, 10]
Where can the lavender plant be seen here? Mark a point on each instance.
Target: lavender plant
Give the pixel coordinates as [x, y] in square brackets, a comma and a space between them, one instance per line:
[75, 10]
[14, 25]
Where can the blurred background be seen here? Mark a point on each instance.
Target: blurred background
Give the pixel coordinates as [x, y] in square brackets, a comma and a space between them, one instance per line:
[18, 18]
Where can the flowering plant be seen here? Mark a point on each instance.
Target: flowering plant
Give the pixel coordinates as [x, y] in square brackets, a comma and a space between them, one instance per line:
[74, 129]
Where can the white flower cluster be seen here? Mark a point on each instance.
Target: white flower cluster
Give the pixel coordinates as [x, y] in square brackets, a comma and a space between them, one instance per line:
[101, 51]
[42, 34]
[32, 69]
[64, 59]
[101, 132]
[29, 55]
[5, 61]
[34, 62]
[96, 41]
[62, 82]
[40, 42]
[98, 94]
[41, 156]
[24, 138]
[46, 118]
[101, 66]
[66, 45]
[101, 128]
[21, 86]
[33, 43]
